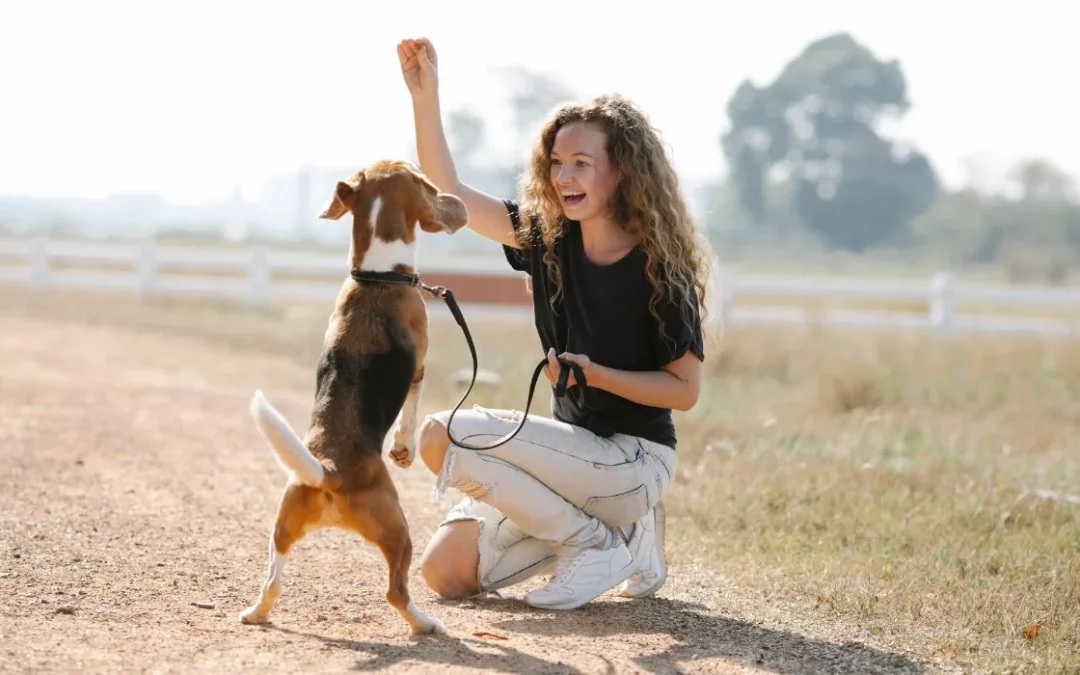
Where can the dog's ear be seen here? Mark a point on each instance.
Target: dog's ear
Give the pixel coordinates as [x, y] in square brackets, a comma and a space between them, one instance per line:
[441, 211]
[342, 202]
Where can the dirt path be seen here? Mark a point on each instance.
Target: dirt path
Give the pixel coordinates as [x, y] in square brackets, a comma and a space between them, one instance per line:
[134, 486]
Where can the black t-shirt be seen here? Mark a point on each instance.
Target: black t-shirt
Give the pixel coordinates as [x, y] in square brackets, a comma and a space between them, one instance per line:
[603, 312]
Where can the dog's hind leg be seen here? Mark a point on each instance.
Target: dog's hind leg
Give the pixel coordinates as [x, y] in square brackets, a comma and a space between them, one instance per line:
[295, 512]
[404, 450]
[377, 516]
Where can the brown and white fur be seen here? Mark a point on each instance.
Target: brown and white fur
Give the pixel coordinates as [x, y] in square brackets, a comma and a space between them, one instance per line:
[369, 379]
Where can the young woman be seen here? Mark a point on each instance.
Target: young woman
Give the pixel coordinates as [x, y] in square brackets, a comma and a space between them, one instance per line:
[618, 274]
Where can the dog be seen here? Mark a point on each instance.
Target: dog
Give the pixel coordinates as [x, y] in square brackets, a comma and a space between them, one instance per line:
[369, 379]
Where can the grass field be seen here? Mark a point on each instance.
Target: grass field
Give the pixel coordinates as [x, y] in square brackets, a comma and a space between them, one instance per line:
[924, 490]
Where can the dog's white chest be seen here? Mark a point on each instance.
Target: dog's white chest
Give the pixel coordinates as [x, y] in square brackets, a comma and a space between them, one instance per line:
[383, 256]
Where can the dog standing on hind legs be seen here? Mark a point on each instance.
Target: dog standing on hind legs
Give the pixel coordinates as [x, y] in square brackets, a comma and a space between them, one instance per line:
[369, 379]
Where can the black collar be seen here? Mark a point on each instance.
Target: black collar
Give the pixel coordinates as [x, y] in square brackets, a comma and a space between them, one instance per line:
[369, 276]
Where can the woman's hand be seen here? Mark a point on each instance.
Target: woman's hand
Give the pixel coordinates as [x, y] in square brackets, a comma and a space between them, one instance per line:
[419, 67]
[551, 370]
[676, 386]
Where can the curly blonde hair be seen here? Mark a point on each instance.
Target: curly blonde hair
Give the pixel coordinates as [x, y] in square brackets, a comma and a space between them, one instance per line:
[647, 202]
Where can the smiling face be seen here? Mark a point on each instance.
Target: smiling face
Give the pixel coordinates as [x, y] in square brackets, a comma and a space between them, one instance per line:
[581, 173]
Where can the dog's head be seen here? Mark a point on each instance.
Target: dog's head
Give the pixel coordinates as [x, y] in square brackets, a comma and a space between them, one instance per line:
[387, 201]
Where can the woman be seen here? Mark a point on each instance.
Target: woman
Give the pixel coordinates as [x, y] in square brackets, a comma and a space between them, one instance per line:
[605, 238]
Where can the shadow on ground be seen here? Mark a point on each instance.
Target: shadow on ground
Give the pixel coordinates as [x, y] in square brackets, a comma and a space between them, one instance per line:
[698, 635]
[443, 651]
[702, 635]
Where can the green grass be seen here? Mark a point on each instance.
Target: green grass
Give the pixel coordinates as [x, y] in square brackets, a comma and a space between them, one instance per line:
[886, 481]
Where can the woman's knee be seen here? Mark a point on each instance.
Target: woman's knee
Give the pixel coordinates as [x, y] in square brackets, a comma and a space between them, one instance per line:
[434, 441]
[450, 561]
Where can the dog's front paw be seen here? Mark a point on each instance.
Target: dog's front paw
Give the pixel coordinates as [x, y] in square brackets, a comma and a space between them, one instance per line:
[403, 455]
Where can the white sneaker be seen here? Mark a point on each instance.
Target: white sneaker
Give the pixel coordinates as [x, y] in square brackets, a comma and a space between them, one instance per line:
[646, 545]
[582, 574]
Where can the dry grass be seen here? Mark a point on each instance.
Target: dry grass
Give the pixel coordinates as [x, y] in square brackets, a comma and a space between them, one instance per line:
[894, 482]
[892, 479]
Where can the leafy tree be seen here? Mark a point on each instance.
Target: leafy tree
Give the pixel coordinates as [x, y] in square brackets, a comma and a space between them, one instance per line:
[818, 121]
[1039, 180]
[1032, 229]
[1040, 239]
[963, 227]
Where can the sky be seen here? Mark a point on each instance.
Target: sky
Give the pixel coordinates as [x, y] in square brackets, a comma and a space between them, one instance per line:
[192, 100]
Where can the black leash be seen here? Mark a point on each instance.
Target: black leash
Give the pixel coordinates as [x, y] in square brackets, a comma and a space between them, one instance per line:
[565, 367]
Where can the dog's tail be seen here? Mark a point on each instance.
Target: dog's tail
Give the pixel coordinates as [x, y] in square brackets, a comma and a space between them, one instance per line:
[289, 449]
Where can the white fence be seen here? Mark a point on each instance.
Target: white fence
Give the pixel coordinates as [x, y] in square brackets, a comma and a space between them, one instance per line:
[245, 275]
[249, 275]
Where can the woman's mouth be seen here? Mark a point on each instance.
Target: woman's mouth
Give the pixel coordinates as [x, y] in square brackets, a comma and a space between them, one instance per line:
[572, 198]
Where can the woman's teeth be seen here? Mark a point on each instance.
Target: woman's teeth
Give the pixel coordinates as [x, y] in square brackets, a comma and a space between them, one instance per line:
[573, 197]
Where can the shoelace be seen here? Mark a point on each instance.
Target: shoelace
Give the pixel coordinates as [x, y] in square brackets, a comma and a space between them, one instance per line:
[565, 566]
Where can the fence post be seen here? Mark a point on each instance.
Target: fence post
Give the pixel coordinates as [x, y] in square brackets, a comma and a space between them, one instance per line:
[942, 301]
[260, 276]
[147, 267]
[38, 263]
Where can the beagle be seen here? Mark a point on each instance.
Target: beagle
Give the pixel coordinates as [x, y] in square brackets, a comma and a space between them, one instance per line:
[368, 380]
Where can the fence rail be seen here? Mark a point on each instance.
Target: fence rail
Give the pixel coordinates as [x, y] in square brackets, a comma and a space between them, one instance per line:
[259, 275]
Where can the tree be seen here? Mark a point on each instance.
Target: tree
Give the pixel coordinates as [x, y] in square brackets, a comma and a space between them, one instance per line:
[1048, 212]
[1039, 180]
[819, 121]
[1031, 229]
[757, 140]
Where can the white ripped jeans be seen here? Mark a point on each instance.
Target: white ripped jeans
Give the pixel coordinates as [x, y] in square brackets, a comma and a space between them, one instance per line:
[553, 484]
